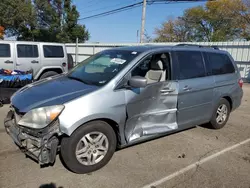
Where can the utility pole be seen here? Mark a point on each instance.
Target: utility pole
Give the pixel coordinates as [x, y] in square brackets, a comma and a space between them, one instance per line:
[137, 36]
[76, 52]
[143, 20]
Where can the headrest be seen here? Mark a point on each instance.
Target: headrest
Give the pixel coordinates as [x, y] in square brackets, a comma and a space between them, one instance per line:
[156, 64]
[163, 56]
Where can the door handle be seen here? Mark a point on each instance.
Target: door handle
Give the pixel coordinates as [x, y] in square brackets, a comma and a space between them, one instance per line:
[187, 88]
[167, 91]
[8, 62]
[34, 61]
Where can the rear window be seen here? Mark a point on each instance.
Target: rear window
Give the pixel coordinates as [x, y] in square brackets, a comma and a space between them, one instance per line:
[191, 64]
[53, 51]
[4, 50]
[220, 64]
[24, 50]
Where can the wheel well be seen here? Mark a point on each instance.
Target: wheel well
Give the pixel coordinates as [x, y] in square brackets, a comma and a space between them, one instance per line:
[230, 101]
[114, 126]
[57, 70]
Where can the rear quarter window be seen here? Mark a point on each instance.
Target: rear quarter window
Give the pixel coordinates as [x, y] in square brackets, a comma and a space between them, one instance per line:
[4, 50]
[50, 51]
[220, 64]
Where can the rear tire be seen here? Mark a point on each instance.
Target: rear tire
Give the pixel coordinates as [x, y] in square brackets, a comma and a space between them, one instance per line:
[95, 151]
[221, 114]
[48, 74]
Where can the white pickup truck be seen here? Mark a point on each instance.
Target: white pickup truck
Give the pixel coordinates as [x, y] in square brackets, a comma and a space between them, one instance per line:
[44, 59]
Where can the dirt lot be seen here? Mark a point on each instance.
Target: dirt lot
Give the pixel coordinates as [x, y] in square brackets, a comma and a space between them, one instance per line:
[198, 157]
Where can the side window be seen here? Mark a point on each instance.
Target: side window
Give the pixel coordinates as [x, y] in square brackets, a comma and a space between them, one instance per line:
[191, 64]
[142, 68]
[4, 50]
[53, 51]
[220, 64]
[24, 50]
[155, 68]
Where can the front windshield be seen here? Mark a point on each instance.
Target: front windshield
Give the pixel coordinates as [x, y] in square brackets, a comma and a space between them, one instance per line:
[102, 67]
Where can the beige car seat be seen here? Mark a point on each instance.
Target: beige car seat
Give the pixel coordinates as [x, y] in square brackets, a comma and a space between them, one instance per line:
[156, 71]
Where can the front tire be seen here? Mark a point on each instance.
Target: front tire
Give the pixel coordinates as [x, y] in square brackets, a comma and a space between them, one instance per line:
[221, 114]
[89, 148]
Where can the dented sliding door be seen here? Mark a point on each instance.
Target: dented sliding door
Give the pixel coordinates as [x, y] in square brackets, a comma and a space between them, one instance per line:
[151, 110]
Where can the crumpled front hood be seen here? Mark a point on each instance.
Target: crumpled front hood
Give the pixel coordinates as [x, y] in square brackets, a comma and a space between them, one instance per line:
[58, 90]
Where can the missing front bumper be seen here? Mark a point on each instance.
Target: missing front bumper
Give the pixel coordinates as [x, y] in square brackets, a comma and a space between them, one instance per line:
[41, 148]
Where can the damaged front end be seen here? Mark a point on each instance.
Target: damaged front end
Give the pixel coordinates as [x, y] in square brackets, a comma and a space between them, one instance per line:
[41, 145]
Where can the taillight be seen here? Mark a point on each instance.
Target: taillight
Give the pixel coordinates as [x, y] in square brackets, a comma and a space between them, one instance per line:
[64, 64]
[240, 82]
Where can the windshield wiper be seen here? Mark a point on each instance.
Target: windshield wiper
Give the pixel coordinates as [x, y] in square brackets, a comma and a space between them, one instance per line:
[80, 80]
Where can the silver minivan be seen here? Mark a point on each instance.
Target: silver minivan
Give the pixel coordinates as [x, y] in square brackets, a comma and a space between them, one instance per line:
[120, 97]
[44, 59]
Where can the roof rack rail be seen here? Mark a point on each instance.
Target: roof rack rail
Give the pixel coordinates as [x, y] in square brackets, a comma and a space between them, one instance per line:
[198, 46]
[194, 45]
[215, 47]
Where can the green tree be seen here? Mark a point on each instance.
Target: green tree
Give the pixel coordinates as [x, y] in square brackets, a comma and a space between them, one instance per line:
[240, 11]
[221, 20]
[71, 29]
[16, 16]
[223, 26]
[42, 20]
[172, 31]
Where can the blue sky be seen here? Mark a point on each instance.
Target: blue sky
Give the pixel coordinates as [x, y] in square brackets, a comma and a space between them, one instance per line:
[123, 26]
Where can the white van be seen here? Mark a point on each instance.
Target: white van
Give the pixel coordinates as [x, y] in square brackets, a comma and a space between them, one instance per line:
[44, 59]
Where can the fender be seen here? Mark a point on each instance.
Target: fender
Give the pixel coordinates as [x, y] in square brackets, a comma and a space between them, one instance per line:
[69, 130]
[38, 74]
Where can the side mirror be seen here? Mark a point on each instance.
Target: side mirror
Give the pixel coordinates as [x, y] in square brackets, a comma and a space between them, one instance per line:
[137, 82]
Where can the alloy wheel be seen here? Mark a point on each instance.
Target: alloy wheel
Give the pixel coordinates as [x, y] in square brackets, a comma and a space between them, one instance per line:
[92, 148]
[221, 114]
